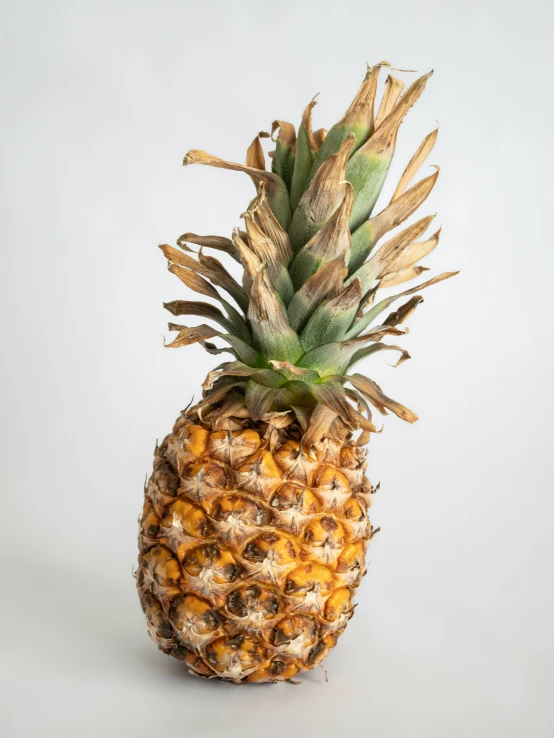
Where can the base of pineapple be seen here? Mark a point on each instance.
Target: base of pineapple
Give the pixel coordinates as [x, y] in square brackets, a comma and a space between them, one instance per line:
[251, 548]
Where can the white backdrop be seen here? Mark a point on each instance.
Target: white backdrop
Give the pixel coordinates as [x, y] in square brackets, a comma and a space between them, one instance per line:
[453, 633]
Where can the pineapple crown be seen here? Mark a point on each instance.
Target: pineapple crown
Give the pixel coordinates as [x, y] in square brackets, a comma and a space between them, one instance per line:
[306, 311]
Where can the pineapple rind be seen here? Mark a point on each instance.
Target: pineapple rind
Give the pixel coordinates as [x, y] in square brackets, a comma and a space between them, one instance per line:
[250, 550]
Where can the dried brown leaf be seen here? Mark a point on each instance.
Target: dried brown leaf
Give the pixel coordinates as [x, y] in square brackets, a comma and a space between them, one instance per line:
[402, 208]
[229, 369]
[319, 137]
[307, 123]
[415, 162]
[194, 281]
[255, 154]
[249, 259]
[404, 311]
[384, 138]
[404, 275]
[319, 423]
[326, 283]
[378, 399]
[269, 224]
[287, 133]
[361, 110]
[219, 243]
[380, 263]
[187, 336]
[415, 252]
[393, 88]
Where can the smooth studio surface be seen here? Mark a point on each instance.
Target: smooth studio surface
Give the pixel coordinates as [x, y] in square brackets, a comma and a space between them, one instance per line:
[453, 632]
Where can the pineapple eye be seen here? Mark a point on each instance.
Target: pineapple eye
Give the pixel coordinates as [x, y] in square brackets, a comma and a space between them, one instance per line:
[165, 478]
[164, 566]
[301, 629]
[183, 516]
[206, 473]
[234, 654]
[158, 625]
[295, 497]
[279, 669]
[234, 447]
[325, 531]
[319, 651]
[213, 562]
[241, 509]
[260, 474]
[195, 663]
[310, 578]
[339, 602]
[193, 615]
[279, 549]
[352, 457]
[352, 557]
[150, 523]
[253, 600]
[196, 440]
[353, 510]
[332, 480]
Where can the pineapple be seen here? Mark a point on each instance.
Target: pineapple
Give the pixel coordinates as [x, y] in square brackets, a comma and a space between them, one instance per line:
[255, 525]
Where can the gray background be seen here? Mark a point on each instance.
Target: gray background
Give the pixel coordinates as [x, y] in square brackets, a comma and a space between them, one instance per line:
[453, 634]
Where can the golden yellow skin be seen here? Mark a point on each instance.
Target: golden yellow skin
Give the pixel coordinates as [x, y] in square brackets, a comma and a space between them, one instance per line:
[250, 549]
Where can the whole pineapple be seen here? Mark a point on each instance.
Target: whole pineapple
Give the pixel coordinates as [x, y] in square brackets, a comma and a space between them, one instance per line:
[255, 525]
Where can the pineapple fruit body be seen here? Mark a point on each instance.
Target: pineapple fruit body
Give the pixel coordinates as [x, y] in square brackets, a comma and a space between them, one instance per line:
[251, 550]
[255, 526]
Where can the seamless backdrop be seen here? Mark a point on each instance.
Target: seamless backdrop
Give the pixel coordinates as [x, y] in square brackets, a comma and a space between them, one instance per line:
[453, 633]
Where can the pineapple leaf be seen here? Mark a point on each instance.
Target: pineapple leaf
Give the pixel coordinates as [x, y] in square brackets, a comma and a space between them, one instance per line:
[283, 160]
[270, 327]
[294, 373]
[368, 167]
[255, 154]
[270, 227]
[334, 358]
[357, 120]
[205, 310]
[229, 369]
[331, 394]
[415, 252]
[250, 261]
[259, 399]
[332, 241]
[393, 88]
[404, 311]
[219, 243]
[415, 162]
[319, 423]
[277, 192]
[243, 351]
[187, 335]
[378, 399]
[366, 236]
[378, 264]
[209, 268]
[305, 148]
[370, 350]
[198, 284]
[332, 319]
[373, 312]
[319, 137]
[268, 254]
[327, 282]
[403, 275]
[322, 198]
